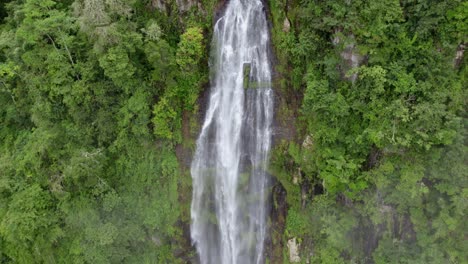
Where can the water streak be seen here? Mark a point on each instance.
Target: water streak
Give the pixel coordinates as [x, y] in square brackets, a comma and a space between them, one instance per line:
[229, 207]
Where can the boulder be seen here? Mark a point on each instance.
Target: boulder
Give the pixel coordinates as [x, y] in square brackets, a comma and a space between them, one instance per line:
[286, 25]
[293, 247]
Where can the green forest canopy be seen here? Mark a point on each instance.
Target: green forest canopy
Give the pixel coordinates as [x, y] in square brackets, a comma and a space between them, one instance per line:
[99, 98]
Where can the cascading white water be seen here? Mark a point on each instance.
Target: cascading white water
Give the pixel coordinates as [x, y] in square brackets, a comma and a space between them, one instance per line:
[229, 207]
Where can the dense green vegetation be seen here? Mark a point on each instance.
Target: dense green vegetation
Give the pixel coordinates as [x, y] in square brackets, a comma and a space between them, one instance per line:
[98, 110]
[92, 98]
[380, 162]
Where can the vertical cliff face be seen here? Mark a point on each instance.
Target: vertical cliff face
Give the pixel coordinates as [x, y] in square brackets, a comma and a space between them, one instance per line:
[340, 68]
[324, 67]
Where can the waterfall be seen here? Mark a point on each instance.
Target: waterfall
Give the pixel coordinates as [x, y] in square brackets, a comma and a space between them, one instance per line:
[229, 208]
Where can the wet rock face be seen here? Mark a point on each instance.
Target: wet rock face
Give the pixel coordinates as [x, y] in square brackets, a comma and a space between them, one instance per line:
[351, 58]
[459, 55]
[275, 244]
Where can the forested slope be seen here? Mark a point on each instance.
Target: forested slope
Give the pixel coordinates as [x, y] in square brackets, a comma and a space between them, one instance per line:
[377, 172]
[100, 102]
[92, 99]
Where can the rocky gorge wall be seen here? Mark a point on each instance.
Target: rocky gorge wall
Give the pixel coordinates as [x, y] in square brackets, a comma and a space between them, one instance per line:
[299, 185]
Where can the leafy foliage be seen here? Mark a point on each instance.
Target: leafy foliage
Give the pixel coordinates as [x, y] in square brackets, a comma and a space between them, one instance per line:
[92, 95]
[97, 95]
[376, 148]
